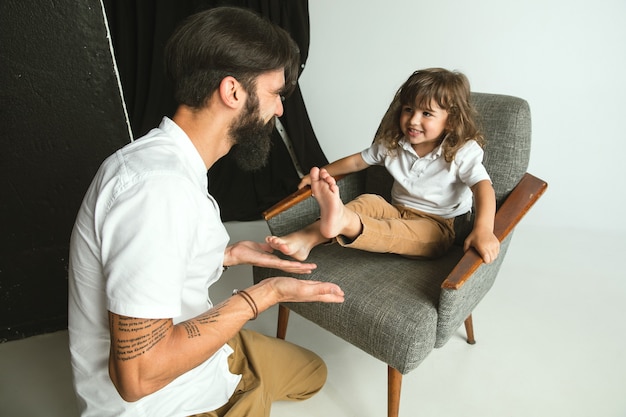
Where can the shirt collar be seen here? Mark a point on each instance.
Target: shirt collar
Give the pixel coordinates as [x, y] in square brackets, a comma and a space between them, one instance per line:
[196, 164]
[434, 154]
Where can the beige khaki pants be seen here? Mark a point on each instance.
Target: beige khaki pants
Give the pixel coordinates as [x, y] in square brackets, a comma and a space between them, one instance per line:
[272, 370]
[399, 229]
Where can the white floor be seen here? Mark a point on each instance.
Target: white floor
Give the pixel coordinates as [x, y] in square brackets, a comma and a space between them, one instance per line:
[550, 342]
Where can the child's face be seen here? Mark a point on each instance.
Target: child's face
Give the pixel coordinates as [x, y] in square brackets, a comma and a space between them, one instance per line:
[423, 127]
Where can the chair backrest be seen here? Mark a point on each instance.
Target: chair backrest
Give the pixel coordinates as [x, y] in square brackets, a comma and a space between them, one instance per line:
[506, 124]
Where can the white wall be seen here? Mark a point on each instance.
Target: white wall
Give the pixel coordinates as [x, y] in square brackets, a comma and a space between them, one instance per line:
[566, 57]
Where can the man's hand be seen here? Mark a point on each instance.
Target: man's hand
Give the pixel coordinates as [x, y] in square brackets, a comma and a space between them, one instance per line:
[260, 254]
[294, 290]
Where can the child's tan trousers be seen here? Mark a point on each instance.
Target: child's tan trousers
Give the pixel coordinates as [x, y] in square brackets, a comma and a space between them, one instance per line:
[399, 229]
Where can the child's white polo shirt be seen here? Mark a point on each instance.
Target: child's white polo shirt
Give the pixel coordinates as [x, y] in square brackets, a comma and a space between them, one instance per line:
[429, 183]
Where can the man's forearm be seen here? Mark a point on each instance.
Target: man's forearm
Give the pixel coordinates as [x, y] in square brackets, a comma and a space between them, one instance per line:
[148, 354]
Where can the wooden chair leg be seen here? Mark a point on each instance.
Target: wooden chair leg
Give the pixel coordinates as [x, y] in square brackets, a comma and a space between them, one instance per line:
[469, 329]
[283, 320]
[393, 391]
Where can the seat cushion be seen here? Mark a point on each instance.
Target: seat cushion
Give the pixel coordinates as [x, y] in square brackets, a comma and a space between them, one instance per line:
[390, 308]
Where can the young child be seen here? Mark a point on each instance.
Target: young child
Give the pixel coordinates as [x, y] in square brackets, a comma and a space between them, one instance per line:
[429, 142]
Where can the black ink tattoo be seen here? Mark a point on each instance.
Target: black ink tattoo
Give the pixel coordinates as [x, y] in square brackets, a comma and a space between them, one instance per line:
[143, 335]
[135, 336]
[212, 315]
[192, 329]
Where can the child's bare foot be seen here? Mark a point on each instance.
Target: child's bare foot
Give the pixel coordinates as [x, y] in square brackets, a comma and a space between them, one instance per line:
[293, 245]
[335, 220]
[332, 211]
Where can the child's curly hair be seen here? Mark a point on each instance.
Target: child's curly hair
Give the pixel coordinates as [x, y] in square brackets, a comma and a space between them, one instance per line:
[451, 91]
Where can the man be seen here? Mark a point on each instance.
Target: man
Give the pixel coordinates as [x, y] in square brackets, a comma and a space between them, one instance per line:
[145, 339]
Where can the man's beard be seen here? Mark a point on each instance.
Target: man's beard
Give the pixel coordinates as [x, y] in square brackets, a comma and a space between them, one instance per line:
[251, 137]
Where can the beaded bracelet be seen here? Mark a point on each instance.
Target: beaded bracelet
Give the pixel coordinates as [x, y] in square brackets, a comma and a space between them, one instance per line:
[249, 300]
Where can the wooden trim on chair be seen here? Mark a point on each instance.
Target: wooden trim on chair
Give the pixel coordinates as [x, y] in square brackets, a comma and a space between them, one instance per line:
[514, 208]
[287, 202]
[469, 330]
[283, 321]
[291, 200]
[394, 386]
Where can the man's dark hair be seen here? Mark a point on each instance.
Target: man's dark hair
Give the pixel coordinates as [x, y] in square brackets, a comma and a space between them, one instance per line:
[227, 41]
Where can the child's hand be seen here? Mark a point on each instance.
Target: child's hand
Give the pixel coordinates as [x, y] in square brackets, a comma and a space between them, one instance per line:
[485, 242]
[306, 180]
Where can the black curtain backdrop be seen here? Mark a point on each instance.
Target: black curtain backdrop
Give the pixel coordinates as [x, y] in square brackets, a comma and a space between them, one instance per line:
[139, 31]
[61, 114]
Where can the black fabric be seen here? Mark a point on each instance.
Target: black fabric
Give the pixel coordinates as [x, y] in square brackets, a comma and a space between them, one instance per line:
[60, 115]
[139, 31]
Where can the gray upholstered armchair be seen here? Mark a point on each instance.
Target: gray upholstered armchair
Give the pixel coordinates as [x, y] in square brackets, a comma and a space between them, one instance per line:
[399, 309]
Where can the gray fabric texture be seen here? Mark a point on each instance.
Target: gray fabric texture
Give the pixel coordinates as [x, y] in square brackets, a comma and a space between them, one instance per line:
[506, 124]
[456, 305]
[395, 308]
[387, 312]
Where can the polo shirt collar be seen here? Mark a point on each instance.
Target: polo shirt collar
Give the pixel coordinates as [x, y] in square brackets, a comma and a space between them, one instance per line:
[434, 154]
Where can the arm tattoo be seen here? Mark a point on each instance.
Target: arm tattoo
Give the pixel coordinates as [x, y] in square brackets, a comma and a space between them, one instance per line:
[135, 337]
[192, 329]
[138, 336]
[210, 316]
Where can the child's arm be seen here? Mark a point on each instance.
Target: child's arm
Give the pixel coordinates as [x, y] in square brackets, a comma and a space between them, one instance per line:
[482, 238]
[347, 165]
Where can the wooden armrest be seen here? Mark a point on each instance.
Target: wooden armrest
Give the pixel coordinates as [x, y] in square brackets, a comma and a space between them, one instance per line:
[287, 202]
[517, 204]
[290, 201]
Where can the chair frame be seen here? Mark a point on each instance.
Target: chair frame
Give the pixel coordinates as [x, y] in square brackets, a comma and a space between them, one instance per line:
[513, 209]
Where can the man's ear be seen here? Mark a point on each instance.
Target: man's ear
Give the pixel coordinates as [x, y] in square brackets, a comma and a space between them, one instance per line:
[231, 92]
